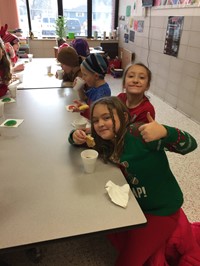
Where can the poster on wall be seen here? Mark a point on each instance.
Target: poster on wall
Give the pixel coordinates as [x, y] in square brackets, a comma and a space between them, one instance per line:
[135, 25]
[173, 35]
[122, 18]
[140, 25]
[181, 3]
[126, 37]
[147, 3]
[132, 36]
[128, 11]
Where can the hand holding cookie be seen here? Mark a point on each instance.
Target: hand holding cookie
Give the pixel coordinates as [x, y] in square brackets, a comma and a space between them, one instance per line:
[79, 137]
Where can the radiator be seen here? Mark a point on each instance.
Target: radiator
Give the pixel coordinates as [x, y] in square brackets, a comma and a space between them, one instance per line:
[127, 57]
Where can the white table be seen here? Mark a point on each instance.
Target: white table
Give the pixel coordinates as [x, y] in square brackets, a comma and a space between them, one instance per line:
[35, 74]
[44, 193]
[96, 51]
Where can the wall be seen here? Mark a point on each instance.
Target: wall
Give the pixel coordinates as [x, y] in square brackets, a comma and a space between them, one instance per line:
[45, 47]
[176, 80]
[42, 48]
[9, 14]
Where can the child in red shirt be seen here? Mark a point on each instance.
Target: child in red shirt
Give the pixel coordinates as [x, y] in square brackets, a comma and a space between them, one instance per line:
[5, 70]
[11, 42]
[136, 81]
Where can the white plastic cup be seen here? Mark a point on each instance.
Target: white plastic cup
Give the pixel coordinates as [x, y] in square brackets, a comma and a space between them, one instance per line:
[48, 69]
[30, 57]
[1, 109]
[89, 158]
[95, 35]
[114, 34]
[20, 76]
[79, 83]
[60, 73]
[80, 123]
[13, 90]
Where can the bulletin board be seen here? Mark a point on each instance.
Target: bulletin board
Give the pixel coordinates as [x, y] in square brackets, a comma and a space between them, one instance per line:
[128, 22]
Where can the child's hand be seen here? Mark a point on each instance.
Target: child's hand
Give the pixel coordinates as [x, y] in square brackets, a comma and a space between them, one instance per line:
[152, 130]
[76, 106]
[79, 106]
[19, 67]
[78, 103]
[14, 78]
[74, 82]
[79, 137]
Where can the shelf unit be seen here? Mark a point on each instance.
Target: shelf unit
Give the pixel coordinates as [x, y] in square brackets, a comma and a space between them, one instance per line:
[24, 47]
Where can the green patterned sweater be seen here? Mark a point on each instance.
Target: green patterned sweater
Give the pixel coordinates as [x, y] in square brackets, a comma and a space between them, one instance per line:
[146, 168]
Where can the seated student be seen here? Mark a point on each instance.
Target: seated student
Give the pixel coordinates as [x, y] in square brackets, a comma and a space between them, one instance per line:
[139, 150]
[70, 63]
[11, 42]
[136, 81]
[5, 70]
[94, 69]
[62, 46]
[81, 46]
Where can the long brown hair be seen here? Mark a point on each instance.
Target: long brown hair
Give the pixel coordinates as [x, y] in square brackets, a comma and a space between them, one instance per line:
[111, 150]
[5, 65]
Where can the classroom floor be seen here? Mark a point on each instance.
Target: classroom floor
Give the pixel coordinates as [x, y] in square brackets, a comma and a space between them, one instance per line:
[96, 250]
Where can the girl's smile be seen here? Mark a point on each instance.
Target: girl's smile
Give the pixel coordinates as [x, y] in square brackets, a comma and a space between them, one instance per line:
[136, 80]
[103, 122]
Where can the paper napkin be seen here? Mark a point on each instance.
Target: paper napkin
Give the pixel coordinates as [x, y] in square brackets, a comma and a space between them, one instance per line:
[19, 121]
[118, 194]
[68, 107]
[7, 100]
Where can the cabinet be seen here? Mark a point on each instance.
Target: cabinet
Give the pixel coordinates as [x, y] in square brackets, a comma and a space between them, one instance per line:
[24, 47]
[110, 49]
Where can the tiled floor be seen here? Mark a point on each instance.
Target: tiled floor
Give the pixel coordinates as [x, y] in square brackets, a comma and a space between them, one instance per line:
[96, 250]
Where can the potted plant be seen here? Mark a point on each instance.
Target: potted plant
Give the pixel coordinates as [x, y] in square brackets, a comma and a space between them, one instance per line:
[61, 30]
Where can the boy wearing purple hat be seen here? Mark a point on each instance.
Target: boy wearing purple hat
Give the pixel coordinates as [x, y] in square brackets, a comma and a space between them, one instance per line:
[81, 46]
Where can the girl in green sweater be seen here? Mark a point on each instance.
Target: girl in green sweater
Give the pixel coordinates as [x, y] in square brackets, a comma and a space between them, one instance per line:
[139, 150]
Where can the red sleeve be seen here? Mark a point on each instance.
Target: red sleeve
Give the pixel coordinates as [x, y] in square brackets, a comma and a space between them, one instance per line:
[86, 114]
[3, 89]
[122, 97]
[14, 59]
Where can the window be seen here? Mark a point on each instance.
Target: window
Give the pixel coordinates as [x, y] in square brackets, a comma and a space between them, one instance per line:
[23, 17]
[40, 15]
[102, 17]
[76, 14]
